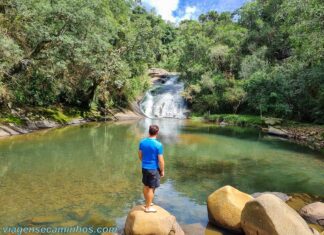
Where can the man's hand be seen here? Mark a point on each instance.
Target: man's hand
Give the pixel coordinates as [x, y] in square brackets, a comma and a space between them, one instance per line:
[162, 174]
[161, 164]
[140, 155]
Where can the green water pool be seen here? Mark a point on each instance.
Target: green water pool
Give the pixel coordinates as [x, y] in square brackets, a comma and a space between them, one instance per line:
[91, 173]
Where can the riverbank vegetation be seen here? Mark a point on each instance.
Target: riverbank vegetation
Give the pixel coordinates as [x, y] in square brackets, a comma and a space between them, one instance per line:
[266, 58]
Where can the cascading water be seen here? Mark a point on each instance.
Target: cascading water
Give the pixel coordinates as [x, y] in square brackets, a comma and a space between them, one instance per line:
[165, 100]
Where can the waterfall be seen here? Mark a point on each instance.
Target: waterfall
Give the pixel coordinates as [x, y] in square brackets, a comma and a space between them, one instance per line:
[165, 100]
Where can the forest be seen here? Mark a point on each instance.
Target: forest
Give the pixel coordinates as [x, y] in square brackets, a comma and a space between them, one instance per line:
[266, 58]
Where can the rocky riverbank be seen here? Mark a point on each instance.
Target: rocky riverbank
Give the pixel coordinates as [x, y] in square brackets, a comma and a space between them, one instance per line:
[231, 211]
[23, 121]
[309, 135]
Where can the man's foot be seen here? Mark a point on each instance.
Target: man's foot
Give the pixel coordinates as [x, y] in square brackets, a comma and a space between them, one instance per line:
[152, 204]
[150, 210]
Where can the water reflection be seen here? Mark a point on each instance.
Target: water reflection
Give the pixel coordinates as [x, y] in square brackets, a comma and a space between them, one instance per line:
[169, 128]
[91, 174]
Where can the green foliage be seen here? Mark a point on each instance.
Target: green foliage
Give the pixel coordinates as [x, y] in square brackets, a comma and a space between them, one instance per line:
[233, 119]
[11, 119]
[266, 58]
[87, 54]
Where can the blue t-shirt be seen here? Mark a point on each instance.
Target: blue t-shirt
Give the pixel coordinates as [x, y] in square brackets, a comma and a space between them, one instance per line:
[151, 149]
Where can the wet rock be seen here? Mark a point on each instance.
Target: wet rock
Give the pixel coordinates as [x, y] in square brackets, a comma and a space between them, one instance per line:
[159, 223]
[50, 219]
[46, 124]
[193, 229]
[299, 200]
[268, 214]
[18, 129]
[9, 130]
[77, 214]
[282, 196]
[76, 121]
[313, 213]
[157, 72]
[277, 132]
[98, 220]
[317, 227]
[42, 124]
[3, 133]
[272, 121]
[225, 206]
[213, 230]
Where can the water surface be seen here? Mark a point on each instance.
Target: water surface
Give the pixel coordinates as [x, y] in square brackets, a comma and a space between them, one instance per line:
[91, 175]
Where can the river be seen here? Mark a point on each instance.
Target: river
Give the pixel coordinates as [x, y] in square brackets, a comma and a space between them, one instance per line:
[90, 174]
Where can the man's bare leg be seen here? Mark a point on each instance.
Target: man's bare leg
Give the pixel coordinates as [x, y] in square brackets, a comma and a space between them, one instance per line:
[148, 195]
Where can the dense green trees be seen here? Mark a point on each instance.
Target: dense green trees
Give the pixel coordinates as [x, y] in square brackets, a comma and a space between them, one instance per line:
[265, 58]
[89, 54]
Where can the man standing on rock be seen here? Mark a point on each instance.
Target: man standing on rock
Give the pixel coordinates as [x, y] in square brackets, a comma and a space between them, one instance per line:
[151, 154]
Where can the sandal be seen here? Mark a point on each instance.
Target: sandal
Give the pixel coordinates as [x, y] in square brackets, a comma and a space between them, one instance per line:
[150, 210]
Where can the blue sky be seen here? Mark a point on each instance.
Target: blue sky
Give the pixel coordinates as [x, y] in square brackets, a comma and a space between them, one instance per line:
[177, 10]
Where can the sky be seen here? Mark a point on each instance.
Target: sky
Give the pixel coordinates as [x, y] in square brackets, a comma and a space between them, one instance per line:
[177, 10]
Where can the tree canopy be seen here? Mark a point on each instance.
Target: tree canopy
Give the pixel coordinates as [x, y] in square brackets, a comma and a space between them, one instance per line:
[265, 58]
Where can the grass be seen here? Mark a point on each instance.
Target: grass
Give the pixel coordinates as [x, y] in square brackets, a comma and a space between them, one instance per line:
[12, 119]
[234, 119]
[60, 115]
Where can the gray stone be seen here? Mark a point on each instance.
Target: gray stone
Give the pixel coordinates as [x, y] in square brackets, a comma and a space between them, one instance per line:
[267, 215]
[3, 133]
[18, 129]
[313, 213]
[76, 121]
[9, 130]
[43, 124]
[277, 132]
[272, 121]
[282, 196]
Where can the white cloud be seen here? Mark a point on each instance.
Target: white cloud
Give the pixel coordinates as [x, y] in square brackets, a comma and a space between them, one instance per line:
[164, 8]
[189, 13]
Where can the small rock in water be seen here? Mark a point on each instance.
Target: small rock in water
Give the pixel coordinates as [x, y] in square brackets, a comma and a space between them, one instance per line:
[313, 213]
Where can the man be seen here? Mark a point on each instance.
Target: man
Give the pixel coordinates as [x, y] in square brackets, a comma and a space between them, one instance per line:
[151, 154]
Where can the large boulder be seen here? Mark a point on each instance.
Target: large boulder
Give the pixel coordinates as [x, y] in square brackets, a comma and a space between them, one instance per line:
[269, 215]
[280, 195]
[160, 223]
[225, 206]
[313, 213]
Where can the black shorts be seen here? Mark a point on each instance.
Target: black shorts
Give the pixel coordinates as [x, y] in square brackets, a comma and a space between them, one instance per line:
[151, 178]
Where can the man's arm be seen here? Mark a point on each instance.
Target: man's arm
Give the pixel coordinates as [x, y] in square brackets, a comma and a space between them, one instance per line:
[140, 155]
[161, 164]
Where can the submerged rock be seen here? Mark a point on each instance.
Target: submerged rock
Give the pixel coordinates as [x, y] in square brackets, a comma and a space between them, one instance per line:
[282, 196]
[193, 229]
[160, 223]
[225, 206]
[268, 215]
[313, 213]
[299, 200]
[50, 219]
